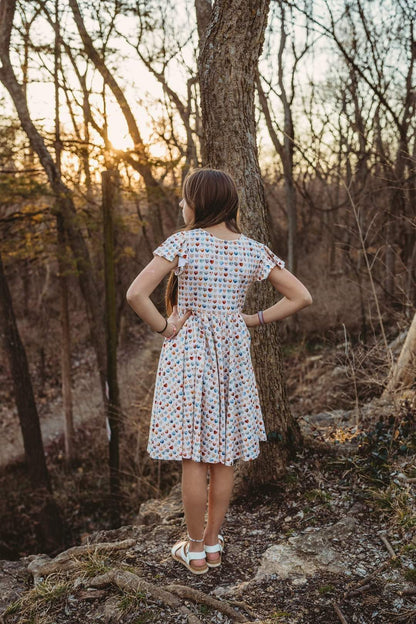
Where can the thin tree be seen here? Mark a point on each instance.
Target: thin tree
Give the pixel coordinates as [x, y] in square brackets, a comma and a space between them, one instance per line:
[285, 145]
[156, 194]
[63, 265]
[113, 407]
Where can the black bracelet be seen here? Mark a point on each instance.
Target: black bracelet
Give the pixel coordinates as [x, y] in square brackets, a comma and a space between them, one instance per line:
[162, 330]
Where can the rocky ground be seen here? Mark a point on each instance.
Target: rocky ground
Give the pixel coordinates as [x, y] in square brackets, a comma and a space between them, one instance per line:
[323, 545]
[332, 542]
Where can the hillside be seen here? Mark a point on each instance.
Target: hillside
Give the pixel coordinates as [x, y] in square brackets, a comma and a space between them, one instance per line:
[323, 544]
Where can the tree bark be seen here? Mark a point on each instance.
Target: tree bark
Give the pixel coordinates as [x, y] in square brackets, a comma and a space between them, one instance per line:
[25, 400]
[227, 70]
[403, 374]
[113, 396]
[203, 12]
[48, 523]
[62, 267]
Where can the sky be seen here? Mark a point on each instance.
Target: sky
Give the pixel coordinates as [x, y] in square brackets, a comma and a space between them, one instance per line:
[141, 88]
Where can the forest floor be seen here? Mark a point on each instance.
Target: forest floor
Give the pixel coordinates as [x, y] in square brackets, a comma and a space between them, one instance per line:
[86, 396]
[332, 541]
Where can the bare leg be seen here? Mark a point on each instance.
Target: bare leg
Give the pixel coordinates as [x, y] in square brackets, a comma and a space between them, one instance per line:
[220, 489]
[194, 497]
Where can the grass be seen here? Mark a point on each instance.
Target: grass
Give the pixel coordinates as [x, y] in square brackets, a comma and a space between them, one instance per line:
[93, 564]
[396, 502]
[204, 609]
[40, 601]
[130, 601]
[279, 616]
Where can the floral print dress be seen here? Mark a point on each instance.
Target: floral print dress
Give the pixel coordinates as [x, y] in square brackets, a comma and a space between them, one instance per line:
[206, 404]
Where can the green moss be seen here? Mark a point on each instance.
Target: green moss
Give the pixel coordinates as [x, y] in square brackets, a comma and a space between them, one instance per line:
[280, 616]
[204, 609]
[410, 575]
[326, 589]
[317, 495]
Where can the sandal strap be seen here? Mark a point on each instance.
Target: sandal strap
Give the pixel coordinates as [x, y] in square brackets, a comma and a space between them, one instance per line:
[213, 549]
[219, 547]
[195, 555]
[188, 555]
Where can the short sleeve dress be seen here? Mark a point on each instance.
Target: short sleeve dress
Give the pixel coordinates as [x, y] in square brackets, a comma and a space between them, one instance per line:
[206, 405]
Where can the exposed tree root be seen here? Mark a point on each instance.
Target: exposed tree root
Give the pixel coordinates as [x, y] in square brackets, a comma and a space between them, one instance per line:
[67, 560]
[168, 595]
[198, 596]
[127, 581]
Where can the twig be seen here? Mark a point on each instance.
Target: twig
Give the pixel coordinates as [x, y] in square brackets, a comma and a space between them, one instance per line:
[407, 591]
[365, 580]
[388, 545]
[359, 590]
[339, 614]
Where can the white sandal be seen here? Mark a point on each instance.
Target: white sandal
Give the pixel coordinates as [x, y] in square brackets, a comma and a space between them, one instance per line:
[180, 552]
[216, 548]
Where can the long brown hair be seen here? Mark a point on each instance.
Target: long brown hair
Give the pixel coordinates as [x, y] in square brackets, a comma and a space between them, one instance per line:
[212, 195]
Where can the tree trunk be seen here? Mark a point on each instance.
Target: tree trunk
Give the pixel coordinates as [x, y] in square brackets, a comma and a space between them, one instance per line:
[62, 267]
[227, 71]
[25, 400]
[48, 523]
[203, 12]
[109, 186]
[66, 376]
[403, 374]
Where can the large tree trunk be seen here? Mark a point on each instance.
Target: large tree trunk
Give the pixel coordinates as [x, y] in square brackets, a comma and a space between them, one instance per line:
[403, 374]
[48, 523]
[227, 70]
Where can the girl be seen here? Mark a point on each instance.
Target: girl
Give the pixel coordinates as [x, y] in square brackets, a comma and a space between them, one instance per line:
[206, 410]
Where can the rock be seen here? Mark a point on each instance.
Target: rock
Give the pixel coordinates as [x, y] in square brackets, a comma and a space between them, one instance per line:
[282, 560]
[115, 535]
[112, 613]
[304, 554]
[328, 419]
[35, 566]
[234, 591]
[167, 510]
[13, 581]
[299, 580]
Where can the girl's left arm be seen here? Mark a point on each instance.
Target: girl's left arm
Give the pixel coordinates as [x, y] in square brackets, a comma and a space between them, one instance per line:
[139, 291]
